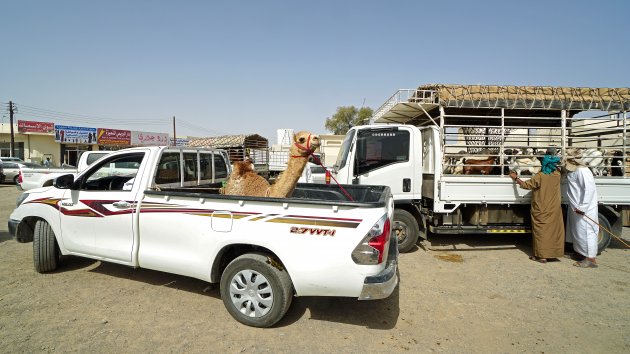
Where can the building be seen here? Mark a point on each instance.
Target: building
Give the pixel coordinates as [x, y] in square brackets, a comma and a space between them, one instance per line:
[36, 141]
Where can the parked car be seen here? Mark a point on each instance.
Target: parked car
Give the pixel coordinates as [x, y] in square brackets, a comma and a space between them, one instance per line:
[11, 159]
[12, 169]
[1, 174]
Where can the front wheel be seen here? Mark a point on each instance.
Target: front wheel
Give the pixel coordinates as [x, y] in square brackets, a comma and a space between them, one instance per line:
[45, 250]
[406, 230]
[256, 290]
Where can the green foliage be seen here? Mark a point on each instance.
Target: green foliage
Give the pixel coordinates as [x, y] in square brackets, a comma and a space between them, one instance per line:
[347, 117]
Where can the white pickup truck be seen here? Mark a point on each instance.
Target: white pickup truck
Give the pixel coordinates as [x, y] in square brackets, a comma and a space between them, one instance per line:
[168, 216]
[41, 177]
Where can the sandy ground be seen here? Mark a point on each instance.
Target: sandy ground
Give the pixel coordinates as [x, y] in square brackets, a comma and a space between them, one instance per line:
[494, 300]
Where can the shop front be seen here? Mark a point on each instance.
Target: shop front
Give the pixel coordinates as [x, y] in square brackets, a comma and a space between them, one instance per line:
[74, 141]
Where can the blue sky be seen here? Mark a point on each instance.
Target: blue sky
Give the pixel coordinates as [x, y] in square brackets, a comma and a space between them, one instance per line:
[256, 66]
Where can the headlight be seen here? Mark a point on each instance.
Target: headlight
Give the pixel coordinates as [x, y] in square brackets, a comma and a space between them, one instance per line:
[20, 199]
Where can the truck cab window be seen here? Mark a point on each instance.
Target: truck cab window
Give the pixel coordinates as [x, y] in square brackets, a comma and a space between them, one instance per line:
[220, 166]
[93, 157]
[190, 167]
[378, 148]
[113, 174]
[168, 169]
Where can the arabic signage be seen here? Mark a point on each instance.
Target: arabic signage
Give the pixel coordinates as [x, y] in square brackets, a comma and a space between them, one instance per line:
[146, 138]
[27, 126]
[180, 142]
[75, 135]
[113, 137]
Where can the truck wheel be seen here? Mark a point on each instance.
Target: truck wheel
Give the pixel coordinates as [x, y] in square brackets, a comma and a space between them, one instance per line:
[604, 237]
[256, 290]
[45, 250]
[405, 229]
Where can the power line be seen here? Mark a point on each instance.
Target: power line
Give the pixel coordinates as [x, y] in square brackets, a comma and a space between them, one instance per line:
[54, 116]
[55, 119]
[86, 116]
[197, 127]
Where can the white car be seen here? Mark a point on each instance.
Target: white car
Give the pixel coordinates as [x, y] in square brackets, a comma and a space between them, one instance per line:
[11, 159]
[12, 169]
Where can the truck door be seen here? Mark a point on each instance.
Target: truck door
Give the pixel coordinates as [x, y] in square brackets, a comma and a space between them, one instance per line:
[384, 157]
[97, 213]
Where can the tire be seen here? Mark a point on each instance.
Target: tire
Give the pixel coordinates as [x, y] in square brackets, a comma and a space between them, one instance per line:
[406, 230]
[255, 292]
[45, 250]
[604, 237]
[15, 179]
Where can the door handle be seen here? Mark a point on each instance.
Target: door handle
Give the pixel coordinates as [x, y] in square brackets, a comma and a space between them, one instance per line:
[406, 184]
[121, 205]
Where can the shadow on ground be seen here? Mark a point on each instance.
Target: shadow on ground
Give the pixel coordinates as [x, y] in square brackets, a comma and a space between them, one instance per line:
[376, 314]
[478, 242]
[5, 236]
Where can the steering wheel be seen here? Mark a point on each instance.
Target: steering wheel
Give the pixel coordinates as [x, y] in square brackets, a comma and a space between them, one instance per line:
[116, 183]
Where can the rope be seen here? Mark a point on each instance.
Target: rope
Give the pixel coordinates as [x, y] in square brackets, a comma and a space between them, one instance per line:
[610, 232]
[318, 161]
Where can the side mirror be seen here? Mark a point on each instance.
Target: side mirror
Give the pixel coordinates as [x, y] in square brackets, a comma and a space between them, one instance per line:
[64, 181]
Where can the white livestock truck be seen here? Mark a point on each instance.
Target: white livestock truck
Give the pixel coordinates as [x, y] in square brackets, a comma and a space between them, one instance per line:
[167, 215]
[427, 145]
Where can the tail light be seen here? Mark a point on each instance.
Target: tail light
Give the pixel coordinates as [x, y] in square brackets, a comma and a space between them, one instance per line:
[374, 245]
[327, 176]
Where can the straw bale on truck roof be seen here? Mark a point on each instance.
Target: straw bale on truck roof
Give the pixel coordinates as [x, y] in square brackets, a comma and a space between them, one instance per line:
[525, 97]
[228, 141]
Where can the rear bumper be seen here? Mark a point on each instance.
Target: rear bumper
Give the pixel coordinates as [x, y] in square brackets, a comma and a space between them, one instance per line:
[382, 285]
[13, 225]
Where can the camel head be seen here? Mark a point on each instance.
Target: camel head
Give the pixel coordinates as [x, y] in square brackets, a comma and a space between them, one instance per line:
[304, 143]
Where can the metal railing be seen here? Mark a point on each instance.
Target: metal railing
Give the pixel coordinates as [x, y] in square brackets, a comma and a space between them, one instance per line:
[603, 139]
[404, 96]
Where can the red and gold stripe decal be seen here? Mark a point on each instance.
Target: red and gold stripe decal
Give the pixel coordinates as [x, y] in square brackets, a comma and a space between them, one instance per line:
[97, 208]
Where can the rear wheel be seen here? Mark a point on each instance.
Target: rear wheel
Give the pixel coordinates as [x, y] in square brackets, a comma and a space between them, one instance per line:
[45, 250]
[406, 230]
[15, 179]
[256, 290]
[603, 237]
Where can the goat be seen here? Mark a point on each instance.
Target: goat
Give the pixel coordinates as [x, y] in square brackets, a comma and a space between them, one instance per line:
[474, 166]
[454, 164]
[594, 160]
[521, 164]
[616, 165]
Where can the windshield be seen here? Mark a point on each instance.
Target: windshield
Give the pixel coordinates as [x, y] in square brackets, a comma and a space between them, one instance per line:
[381, 147]
[342, 157]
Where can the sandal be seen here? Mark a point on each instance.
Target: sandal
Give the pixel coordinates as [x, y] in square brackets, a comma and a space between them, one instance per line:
[575, 256]
[539, 260]
[585, 264]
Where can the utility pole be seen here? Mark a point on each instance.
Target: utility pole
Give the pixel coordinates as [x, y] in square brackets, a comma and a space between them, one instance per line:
[174, 135]
[12, 145]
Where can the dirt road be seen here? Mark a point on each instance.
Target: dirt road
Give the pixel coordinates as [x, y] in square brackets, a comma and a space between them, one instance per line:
[484, 295]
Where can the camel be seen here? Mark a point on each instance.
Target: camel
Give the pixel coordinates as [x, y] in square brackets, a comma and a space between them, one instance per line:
[244, 181]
